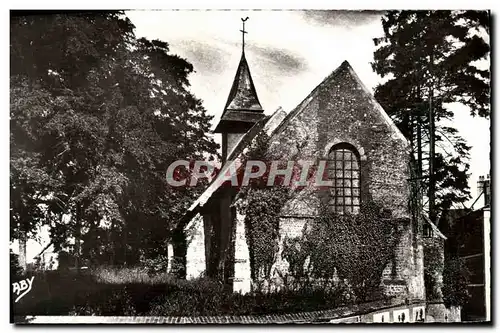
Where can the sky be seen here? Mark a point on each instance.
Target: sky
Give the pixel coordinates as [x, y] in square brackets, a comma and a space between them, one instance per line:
[289, 54]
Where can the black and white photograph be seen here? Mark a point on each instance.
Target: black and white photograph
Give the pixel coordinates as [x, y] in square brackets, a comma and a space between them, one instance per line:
[250, 167]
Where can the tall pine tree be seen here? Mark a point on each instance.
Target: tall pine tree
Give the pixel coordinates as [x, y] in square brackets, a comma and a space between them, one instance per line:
[430, 62]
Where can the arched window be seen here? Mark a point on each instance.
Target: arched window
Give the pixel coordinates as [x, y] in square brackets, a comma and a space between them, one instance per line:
[344, 171]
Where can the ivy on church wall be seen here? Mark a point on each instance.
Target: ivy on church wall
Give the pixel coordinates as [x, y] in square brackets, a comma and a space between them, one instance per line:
[334, 250]
[446, 275]
[261, 205]
[356, 247]
[433, 268]
[262, 228]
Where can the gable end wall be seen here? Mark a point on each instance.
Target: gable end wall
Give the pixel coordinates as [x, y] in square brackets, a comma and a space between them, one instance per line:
[341, 110]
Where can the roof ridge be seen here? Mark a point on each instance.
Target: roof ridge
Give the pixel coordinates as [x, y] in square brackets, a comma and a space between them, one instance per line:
[256, 129]
[309, 97]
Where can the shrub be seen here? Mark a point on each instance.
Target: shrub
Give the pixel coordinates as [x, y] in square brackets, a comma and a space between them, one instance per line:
[125, 275]
[156, 265]
[16, 270]
[296, 252]
[214, 302]
[97, 293]
[455, 282]
[356, 247]
[108, 302]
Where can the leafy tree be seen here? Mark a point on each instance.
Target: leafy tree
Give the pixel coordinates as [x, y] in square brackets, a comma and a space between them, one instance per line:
[430, 61]
[96, 119]
[16, 270]
[30, 181]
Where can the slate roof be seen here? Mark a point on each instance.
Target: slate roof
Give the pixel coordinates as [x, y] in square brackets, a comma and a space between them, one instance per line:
[242, 103]
[243, 95]
[267, 124]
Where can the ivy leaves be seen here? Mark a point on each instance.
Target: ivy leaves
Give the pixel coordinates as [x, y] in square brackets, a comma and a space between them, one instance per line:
[356, 247]
[262, 225]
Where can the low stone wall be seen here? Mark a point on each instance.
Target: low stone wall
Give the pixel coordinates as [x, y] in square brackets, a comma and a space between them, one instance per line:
[438, 312]
[363, 313]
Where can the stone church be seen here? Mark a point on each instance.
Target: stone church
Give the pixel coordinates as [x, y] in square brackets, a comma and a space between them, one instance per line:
[339, 121]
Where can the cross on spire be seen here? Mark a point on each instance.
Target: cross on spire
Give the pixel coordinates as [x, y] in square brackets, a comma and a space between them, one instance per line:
[243, 32]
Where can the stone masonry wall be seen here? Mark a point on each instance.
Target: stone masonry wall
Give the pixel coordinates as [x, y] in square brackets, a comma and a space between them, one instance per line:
[195, 254]
[341, 110]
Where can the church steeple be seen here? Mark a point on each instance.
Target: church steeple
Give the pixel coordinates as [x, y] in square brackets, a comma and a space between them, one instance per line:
[243, 96]
[242, 109]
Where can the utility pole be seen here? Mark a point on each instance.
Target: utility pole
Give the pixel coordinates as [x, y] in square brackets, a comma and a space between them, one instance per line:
[419, 132]
[432, 178]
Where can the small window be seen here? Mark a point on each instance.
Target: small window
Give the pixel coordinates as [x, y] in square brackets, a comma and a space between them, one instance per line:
[427, 230]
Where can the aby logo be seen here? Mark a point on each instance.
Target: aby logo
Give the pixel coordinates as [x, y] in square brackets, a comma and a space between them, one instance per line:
[22, 287]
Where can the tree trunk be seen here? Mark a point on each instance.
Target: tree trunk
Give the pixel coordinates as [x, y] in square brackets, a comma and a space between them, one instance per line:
[78, 230]
[22, 250]
[124, 245]
[111, 244]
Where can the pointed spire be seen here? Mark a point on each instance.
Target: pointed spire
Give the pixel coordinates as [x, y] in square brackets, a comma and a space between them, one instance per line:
[242, 103]
[243, 95]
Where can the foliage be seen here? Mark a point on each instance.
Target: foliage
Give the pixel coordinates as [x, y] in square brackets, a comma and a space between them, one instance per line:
[96, 119]
[97, 292]
[157, 264]
[16, 270]
[433, 265]
[436, 54]
[356, 247]
[296, 251]
[458, 273]
[214, 302]
[262, 227]
[262, 211]
[114, 303]
[125, 275]
[455, 282]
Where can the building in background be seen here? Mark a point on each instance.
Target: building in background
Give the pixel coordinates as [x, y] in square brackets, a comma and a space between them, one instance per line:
[469, 238]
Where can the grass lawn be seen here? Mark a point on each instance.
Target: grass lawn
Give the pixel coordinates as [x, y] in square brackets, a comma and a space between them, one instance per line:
[131, 291]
